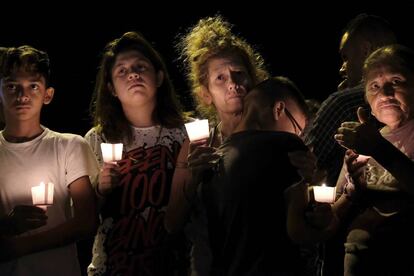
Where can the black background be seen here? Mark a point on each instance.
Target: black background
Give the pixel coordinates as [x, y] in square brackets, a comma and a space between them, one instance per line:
[297, 39]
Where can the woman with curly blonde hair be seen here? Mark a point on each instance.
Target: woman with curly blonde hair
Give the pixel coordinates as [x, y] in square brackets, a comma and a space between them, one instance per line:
[221, 68]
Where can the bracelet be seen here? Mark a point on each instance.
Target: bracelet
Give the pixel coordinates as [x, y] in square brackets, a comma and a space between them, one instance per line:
[181, 165]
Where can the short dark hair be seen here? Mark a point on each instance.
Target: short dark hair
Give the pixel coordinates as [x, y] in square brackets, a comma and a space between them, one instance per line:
[25, 58]
[372, 28]
[282, 88]
[266, 93]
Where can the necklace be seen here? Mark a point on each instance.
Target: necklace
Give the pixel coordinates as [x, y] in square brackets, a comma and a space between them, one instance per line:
[20, 139]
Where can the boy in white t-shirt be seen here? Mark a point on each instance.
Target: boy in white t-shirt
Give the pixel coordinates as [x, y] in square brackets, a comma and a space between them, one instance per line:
[31, 154]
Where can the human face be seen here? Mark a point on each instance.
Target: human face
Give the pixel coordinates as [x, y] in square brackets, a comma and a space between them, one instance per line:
[23, 95]
[135, 80]
[390, 95]
[353, 56]
[228, 83]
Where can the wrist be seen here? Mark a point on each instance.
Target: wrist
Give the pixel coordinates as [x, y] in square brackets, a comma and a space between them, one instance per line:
[349, 188]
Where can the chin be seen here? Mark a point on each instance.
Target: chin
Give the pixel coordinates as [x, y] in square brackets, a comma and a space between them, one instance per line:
[392, 119]
[236, 109]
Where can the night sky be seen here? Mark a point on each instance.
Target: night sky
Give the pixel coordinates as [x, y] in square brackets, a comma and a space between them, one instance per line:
[299, 41]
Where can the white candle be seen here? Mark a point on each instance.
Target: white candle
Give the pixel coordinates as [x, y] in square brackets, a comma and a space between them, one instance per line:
[198, 130]
[361, 158]
[111, 152]
[324, 193]
[42, 195]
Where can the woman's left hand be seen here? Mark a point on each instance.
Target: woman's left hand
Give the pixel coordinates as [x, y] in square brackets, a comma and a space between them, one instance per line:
[361, 137]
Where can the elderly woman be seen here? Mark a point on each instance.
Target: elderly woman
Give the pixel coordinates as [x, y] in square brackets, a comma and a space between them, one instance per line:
[377, 182]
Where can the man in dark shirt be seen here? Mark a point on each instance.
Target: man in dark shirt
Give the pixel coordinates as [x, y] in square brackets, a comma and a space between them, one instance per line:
[250, 220]
[363, 34]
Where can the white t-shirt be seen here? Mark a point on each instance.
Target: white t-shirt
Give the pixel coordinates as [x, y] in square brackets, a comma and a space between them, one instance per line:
[52, 157]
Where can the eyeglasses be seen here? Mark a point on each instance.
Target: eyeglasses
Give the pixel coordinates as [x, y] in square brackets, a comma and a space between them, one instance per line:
[295, 123]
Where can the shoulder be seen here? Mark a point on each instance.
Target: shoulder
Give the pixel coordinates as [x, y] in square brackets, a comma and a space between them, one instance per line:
[340, 104]
[94, 135]
[93, 132]
[177, 133]
[279, 139]
[69, 138]
[344, 96]
[65, 141]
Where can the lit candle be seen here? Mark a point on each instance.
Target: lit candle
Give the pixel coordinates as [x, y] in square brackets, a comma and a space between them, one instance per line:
[42, 195]
[111, 152]
[324, 193]
[197, 130]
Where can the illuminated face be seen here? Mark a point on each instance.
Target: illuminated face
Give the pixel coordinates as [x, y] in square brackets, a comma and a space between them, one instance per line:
[228, 83]
[390, 95]
[135, 80]
[23, 95]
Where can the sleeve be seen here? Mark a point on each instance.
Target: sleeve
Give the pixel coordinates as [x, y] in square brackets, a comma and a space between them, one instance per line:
[339, 107]
[320, 137]
[80, 160]
[94, 140]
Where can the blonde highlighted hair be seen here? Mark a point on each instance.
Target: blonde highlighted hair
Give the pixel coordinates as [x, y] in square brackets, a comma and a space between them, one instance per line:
[210, 38]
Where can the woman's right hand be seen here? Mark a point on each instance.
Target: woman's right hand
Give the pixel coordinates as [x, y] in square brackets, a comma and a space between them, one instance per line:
[355, 175]
[201, 158]
[109, 177]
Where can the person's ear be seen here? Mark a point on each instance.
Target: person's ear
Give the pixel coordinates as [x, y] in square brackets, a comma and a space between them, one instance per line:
[50, 91]
[160, 78]
[205, 95]
[278, 109]
[111, 89]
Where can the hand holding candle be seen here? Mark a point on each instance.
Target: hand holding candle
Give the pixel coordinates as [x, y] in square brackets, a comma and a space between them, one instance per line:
[111, 152]
[197, 130]
[42, 195]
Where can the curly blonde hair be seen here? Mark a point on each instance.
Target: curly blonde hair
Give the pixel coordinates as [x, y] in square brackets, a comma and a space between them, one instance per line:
[210, 38]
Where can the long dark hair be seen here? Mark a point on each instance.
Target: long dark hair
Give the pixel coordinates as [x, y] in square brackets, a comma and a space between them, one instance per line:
[106, 109]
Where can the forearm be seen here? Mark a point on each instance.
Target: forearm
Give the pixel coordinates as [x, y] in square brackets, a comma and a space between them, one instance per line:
[66, 233]
[99, 197]
[179, 207]
[299, 229]
[83, 223]
[341, 207]
[61, 235]
[397, 163]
